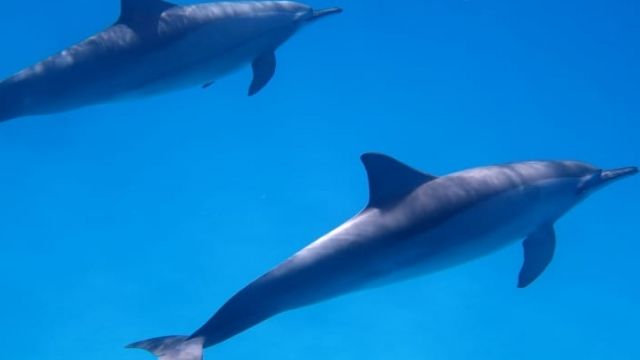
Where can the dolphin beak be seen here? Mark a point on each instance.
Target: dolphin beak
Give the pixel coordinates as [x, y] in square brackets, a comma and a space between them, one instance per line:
[605, 177]
[317, 14]
[616, 174]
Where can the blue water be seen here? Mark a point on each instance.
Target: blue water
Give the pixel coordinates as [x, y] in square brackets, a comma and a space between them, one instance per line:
[138, 219]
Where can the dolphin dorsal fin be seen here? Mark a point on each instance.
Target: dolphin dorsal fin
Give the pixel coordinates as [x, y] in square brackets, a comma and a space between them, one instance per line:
[142, 15]
[390, 180]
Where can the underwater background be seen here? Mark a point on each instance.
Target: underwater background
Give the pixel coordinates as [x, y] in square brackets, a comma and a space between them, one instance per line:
[139, 219]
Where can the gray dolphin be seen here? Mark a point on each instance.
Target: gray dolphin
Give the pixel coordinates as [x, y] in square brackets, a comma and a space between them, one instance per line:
[414, 224]
[154, 47]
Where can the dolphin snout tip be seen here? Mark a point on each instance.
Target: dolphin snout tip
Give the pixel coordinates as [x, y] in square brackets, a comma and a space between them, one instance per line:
[317, 14]
[620, 173]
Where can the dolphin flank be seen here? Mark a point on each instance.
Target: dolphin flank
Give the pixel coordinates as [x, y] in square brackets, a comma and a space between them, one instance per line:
[414, 224]
[155, 47]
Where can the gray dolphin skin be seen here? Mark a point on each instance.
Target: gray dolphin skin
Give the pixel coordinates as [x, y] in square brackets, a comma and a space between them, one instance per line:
[155, 47]
[414, 224]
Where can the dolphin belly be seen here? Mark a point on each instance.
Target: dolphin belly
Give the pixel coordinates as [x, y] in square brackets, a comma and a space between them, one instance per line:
[363, 254]
[129, 73]
[199, 58]
[470, 234]
[119, 64]
[420, 236]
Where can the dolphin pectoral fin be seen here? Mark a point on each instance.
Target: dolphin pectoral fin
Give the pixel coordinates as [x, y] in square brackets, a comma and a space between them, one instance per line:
[539, 248]
[264, 67]
[390, 180]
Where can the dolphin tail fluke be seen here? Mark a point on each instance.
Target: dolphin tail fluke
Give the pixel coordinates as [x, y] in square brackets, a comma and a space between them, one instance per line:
[172, 347]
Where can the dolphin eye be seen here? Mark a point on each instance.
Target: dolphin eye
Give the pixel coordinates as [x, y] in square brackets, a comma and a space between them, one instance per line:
[590, 182]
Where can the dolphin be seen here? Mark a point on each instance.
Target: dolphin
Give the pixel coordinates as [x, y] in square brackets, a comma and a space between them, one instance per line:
[414, 224]
[155, 47]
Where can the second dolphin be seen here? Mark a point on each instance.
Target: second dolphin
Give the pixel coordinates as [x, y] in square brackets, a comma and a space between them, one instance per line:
[414, 224]
[154, 47]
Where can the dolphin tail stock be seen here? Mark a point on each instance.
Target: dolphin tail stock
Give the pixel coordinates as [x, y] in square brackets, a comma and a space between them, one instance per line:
[8, 103]
[5, 105]
[172, 347]
[5, 111]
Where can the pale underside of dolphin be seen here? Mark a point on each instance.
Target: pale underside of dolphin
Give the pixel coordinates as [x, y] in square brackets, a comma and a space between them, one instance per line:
[414, 224]
[155, 47]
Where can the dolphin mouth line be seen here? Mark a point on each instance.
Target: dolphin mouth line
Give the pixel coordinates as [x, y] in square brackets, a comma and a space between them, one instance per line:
[317, 14]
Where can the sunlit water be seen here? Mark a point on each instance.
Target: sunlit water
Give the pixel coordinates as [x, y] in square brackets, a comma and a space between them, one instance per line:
[139, 219]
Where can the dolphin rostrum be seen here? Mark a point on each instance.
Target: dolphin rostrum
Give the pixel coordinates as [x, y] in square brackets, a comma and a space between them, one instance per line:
[414, 224]
[155, 47]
